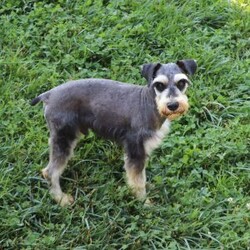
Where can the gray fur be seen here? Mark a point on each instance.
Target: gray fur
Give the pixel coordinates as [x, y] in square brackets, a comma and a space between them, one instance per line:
[126, 113]
[102, 104]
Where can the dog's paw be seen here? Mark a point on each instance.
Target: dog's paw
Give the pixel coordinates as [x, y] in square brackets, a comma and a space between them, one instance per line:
[45, 174]
[66, 200]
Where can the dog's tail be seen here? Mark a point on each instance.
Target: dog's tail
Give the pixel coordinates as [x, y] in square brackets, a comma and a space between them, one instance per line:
[43, 97]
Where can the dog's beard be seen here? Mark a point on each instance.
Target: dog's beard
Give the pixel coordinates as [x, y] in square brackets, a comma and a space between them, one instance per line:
[170, 115]
[173, 116]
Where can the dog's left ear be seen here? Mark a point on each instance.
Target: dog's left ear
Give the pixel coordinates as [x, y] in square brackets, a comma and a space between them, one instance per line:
[149, 71]
[188, 66]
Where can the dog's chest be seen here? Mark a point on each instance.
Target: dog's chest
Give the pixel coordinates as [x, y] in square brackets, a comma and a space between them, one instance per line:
[157, 138]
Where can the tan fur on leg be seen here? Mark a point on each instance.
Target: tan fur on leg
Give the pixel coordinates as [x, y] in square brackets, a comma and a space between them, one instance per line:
[53, 172]
[136, 180]
[45, 174]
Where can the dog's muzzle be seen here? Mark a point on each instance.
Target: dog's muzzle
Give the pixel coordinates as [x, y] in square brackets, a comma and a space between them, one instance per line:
[174, 110]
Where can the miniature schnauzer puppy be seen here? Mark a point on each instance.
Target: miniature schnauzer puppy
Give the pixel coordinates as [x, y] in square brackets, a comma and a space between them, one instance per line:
[137, 117]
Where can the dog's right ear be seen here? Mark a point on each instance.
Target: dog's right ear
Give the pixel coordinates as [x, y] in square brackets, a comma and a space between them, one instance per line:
[149, 71]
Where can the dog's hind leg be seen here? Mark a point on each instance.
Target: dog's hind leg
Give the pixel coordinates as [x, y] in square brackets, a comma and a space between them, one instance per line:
[62, 143]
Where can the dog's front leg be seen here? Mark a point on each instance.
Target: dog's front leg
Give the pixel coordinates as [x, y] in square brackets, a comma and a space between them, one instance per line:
[136, 177]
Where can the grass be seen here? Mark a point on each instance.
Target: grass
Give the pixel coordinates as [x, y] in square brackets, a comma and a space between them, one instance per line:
[201, 173]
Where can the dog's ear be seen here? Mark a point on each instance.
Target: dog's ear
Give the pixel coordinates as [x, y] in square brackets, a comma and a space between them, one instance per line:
[149, 71]
[187, 66]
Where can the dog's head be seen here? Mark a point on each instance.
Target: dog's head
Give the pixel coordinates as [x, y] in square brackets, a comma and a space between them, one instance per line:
[169, 83]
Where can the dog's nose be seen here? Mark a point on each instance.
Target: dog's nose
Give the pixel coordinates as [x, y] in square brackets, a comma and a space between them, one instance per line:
[173, 106]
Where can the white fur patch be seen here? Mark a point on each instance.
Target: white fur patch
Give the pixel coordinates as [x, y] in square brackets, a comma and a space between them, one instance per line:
[161, 78]
[156, 140]
[179, 77]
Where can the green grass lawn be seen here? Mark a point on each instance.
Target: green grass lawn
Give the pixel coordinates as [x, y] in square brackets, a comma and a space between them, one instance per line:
[200, 176]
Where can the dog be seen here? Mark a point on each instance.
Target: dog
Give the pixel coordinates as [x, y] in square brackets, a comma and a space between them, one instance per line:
[136, 117]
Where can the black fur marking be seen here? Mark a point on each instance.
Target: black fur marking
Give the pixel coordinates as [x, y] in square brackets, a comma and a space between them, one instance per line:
[149, 71]
[35, 101]
[137, 164]
[160, 86]
[156, 68]
[64, 138]
[187, 66]
[134, 148]
[181, 84]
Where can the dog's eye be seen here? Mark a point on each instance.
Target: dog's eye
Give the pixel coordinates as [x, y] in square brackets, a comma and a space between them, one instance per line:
[159, 86]
[181, 84]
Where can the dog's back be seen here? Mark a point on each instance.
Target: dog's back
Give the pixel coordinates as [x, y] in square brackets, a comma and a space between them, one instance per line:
[108, 107]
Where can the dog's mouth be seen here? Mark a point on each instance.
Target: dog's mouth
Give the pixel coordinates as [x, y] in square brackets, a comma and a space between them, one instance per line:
[171, 115]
